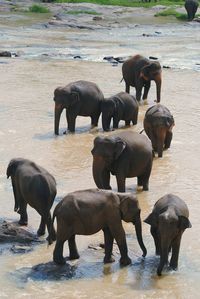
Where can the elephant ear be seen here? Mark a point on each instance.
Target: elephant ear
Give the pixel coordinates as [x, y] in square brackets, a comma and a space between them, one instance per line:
[12, 167]
[75, 98]
[145, 72]
[151, 219]
[120, 145]
[184, 222]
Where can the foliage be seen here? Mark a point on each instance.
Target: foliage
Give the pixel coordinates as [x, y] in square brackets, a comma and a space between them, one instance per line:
[38, 9]
[172, 12]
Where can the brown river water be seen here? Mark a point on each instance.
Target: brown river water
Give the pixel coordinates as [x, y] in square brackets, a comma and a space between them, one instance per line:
[26, 130]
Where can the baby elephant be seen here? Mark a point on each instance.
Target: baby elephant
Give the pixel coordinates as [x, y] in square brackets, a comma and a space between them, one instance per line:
[158, 124]
[168, 221]
[32, 185]
[121, 106]
[89, 211]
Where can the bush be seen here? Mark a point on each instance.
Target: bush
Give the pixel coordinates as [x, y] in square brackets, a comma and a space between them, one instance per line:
[38, 9]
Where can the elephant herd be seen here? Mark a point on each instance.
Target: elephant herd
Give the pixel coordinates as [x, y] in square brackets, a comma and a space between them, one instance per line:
[125, 154]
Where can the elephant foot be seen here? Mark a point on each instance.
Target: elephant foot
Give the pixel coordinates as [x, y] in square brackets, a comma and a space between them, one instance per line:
[59, 260]
[125, 261]
[173, 266]
[145, 187]
[108, 260]
[40, 232]
[74, 256]
[23, 222]
[159, 272]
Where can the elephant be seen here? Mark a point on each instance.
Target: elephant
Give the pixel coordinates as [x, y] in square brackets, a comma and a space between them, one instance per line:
[138, 72]
[33, 185]
[78, 98]
[88, 211]
[158, 123]
[168, 220]
[121, 106]
[191, 7]
[126, 154]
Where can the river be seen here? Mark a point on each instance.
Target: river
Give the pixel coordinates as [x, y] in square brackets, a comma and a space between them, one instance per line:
[26, 116]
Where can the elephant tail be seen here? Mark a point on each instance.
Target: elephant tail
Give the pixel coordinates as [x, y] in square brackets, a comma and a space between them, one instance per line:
[51, 236]
[121, 80]
[141, 131]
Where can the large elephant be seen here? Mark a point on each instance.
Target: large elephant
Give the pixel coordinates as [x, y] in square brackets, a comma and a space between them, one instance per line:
[191, 7]
[168, 221]
[88, 211]
[138, 72]
[78, 98]
[158, 124]
[121, 106]
[126, 154]
[33, 185]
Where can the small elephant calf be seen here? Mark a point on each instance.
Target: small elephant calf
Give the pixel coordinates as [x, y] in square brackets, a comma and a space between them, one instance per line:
[32, 185]
[121, 106]
[168, 221]
[158, 124]
[89, 211]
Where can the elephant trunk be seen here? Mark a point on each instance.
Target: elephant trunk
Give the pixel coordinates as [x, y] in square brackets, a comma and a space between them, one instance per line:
[98, 169]
[58, 111]
[158, 81]
[165, 247]
[138, 230]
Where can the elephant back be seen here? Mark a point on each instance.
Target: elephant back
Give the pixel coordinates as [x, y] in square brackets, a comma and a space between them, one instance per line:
[159, 115]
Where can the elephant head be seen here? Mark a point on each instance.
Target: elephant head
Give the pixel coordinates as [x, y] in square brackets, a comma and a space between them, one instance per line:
[130, 212]
[169, 226]
[12, 166]
[64, 98]
[105, 152]
[152, 71]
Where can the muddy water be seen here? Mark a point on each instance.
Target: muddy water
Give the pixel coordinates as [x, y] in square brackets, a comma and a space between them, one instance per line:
[26, 130]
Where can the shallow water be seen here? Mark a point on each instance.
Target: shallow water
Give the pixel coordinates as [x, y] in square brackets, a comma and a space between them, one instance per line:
[26, 117]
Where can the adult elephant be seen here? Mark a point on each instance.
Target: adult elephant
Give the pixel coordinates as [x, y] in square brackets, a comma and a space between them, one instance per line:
[88, 211]
[78, 98]
[138, 72]
[121, 106]
[191, 7]
[33, 185]
[158, 124]
[126, 154]
[168, 220]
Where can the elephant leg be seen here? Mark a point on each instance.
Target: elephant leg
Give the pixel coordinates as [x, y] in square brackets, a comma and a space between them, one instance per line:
[127, 123]
[71, 119]
[175, 252]
[146, 89]
[73, 252]
[168, 139]
[23, 213]
[154, 233]
[58, 252]
[135, 118]
[118, 233]
[143, 180]
[115, 122]
[41, 229]
[127, 89]
[121, 181]
[50, 228]
[138, 93]
[108, 239]
[95, 119]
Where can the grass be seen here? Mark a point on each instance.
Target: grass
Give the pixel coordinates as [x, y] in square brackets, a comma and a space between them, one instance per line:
[89, 12]
[38, 9]
[127, 3]
[172, 12]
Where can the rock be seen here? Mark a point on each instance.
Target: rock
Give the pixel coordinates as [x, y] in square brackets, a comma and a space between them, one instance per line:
[77, 57]
[108, 58]
[21, 249]
[5, 54]
[153, 58]
[97, 18]
[166, 67]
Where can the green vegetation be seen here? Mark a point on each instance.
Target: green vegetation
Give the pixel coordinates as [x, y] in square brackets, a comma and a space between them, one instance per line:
[128, 3]
[38, 9]
[172, 12]
[89, 12]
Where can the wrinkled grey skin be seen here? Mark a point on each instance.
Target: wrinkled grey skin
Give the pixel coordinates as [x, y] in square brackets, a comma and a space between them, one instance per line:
[125, 155]
[138, 72]
[121, 106]
[78, 98]
[88, 211]
[191, 7]
[168, 221]
[158, 124]
[32, 185]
